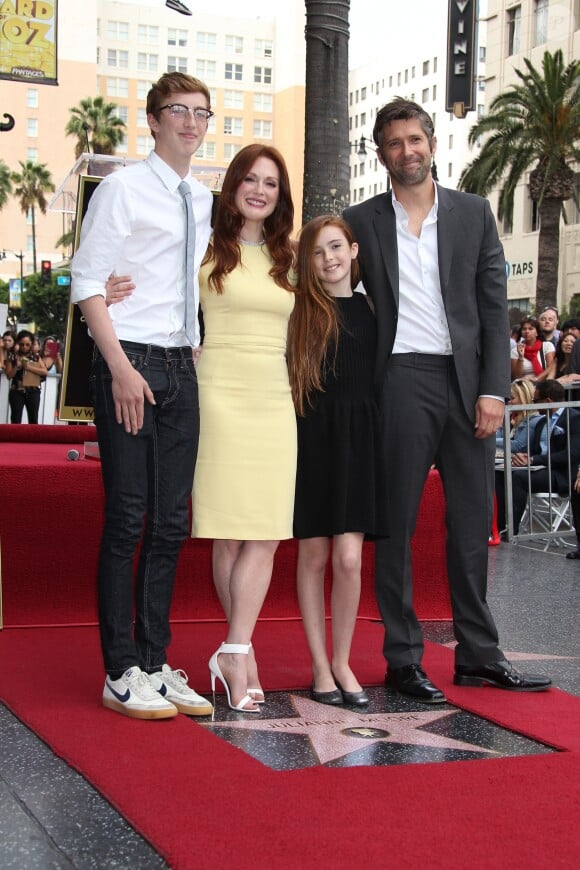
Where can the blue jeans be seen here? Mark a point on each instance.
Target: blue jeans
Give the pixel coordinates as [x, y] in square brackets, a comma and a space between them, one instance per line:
[147, 480]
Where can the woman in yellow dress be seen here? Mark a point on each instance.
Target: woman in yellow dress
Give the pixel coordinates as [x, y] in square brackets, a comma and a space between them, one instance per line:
[243, 490]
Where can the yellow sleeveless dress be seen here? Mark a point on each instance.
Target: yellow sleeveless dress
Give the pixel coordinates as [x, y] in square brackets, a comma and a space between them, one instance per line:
[244, 480]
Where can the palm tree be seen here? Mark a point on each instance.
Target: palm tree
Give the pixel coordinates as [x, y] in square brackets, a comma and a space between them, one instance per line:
[94, 121]
[32, 184]
[326, 147]
[533, 125]
[5, 184]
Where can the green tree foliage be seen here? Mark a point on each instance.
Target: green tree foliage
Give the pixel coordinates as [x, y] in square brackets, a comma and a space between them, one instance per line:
[32, 184]
[5, 183]
[534, 126]
[95, 120]
[46, 305]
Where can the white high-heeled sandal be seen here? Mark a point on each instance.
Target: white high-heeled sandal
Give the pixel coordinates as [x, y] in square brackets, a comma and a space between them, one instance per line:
[216, 671]
[256, 690]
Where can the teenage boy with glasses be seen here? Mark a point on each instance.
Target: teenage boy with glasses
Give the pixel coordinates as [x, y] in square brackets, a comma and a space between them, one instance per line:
[145, 392]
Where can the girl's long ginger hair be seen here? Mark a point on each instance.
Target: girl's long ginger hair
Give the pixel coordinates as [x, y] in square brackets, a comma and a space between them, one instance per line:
[314, 324]
[224, 248]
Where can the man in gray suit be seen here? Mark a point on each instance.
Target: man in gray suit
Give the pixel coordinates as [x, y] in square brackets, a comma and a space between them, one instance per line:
[433, 264]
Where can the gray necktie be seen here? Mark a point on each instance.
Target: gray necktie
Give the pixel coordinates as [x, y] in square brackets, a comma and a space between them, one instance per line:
[190, 312]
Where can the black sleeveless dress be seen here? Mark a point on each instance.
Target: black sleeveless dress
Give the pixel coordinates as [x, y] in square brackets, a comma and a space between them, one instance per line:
[340, 482]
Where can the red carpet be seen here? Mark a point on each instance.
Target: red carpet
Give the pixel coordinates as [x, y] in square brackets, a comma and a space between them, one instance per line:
[48, 573]
[204, 804]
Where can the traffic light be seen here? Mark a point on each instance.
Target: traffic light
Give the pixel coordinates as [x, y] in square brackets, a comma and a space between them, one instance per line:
[45, 271]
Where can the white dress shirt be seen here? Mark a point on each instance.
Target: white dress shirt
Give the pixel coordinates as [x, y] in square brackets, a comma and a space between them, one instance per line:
[422, 324]
[135, 225]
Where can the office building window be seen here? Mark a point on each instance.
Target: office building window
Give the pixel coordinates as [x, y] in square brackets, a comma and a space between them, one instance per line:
[235, 44]
[233, 72]
[514, 30]
[143, 145]
[573, 209]
[206, 41]
[233, 126]
[263, 75]
[233, 99]
[532, 217]
[118, 30]
[118, 87]
[206, 151]
[231, 149]
[451, 141]
[143, 89]
[118, 58]
[540, 22]
[425, 95]
[32, 127]
[434, 64]
[147, 62]
[122, 146]
[434, 93]
[363, 93]
[262, 129]
[177, 37]
[32, 98]
[507, 225]
[263, 102]
[176, 64]
[122, 112]
[148, 35]
[32, 154]
[263, 48]
[205, 70]
[142, 117]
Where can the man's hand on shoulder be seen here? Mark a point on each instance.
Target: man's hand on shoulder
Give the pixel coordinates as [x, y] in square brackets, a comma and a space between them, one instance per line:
[488, 416]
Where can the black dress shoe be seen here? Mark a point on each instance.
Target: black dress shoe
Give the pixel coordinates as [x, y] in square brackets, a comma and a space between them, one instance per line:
[355, 699]
[502, 675]
[178, 7]
[412, 680]
[575, 554]
[334, 698]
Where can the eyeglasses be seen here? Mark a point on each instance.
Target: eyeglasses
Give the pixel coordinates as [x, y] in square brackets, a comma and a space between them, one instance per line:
[178, 110]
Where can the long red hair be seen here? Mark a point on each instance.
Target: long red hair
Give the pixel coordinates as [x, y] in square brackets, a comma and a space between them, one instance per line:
[314, 325]
[224, 249]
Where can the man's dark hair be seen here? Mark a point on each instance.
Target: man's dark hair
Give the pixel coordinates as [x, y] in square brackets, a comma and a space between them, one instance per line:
[401, 109]
[550, 390]
[571, 323]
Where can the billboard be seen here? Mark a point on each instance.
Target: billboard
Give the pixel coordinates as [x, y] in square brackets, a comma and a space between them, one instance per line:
[28, 51]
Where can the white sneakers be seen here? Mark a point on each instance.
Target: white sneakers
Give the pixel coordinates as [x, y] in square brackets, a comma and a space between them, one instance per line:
[153, 696]
[172, 685]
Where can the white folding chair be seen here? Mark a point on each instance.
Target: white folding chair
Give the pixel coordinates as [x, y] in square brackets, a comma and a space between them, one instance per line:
[548, 512]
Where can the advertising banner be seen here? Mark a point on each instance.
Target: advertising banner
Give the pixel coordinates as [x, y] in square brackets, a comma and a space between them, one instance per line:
[28, 44]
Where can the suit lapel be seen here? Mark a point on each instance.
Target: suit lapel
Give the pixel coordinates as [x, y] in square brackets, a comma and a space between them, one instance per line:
[386, 229]
[446, 234]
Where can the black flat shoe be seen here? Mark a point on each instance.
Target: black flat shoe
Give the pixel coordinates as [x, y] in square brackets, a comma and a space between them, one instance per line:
[411, 680]
[575, 554]
[500, 675]
[353, 699]
[334, 698]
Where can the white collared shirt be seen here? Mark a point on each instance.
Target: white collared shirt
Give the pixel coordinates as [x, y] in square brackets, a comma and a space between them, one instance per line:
[422, 325]
[135, 225]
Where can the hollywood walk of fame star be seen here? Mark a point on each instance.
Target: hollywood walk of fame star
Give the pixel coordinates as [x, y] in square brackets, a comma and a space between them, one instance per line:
[334, 733]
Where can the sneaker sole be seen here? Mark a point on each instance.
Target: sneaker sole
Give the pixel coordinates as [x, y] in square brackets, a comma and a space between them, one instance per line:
[134, 713]
[190, 710]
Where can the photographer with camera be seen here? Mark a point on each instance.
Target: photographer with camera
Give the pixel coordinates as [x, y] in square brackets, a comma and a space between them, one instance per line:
[25, 370]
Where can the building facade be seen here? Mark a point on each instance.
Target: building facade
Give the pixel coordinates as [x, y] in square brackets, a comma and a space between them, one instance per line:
[253, 66]
[518, 29]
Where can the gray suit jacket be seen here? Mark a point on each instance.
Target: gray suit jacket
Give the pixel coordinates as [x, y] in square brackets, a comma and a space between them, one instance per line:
[473, 284]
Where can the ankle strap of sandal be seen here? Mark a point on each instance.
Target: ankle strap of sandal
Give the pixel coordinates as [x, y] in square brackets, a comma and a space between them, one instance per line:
[240, 648]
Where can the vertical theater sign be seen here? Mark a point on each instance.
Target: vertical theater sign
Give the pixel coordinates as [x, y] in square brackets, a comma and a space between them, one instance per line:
[461, 57]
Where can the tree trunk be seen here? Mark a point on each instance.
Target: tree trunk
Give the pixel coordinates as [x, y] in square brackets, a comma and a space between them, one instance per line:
[326, 146]
[33, 225]
[548, 253]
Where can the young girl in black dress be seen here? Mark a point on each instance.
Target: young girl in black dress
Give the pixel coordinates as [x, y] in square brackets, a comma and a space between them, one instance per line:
[331, 359]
